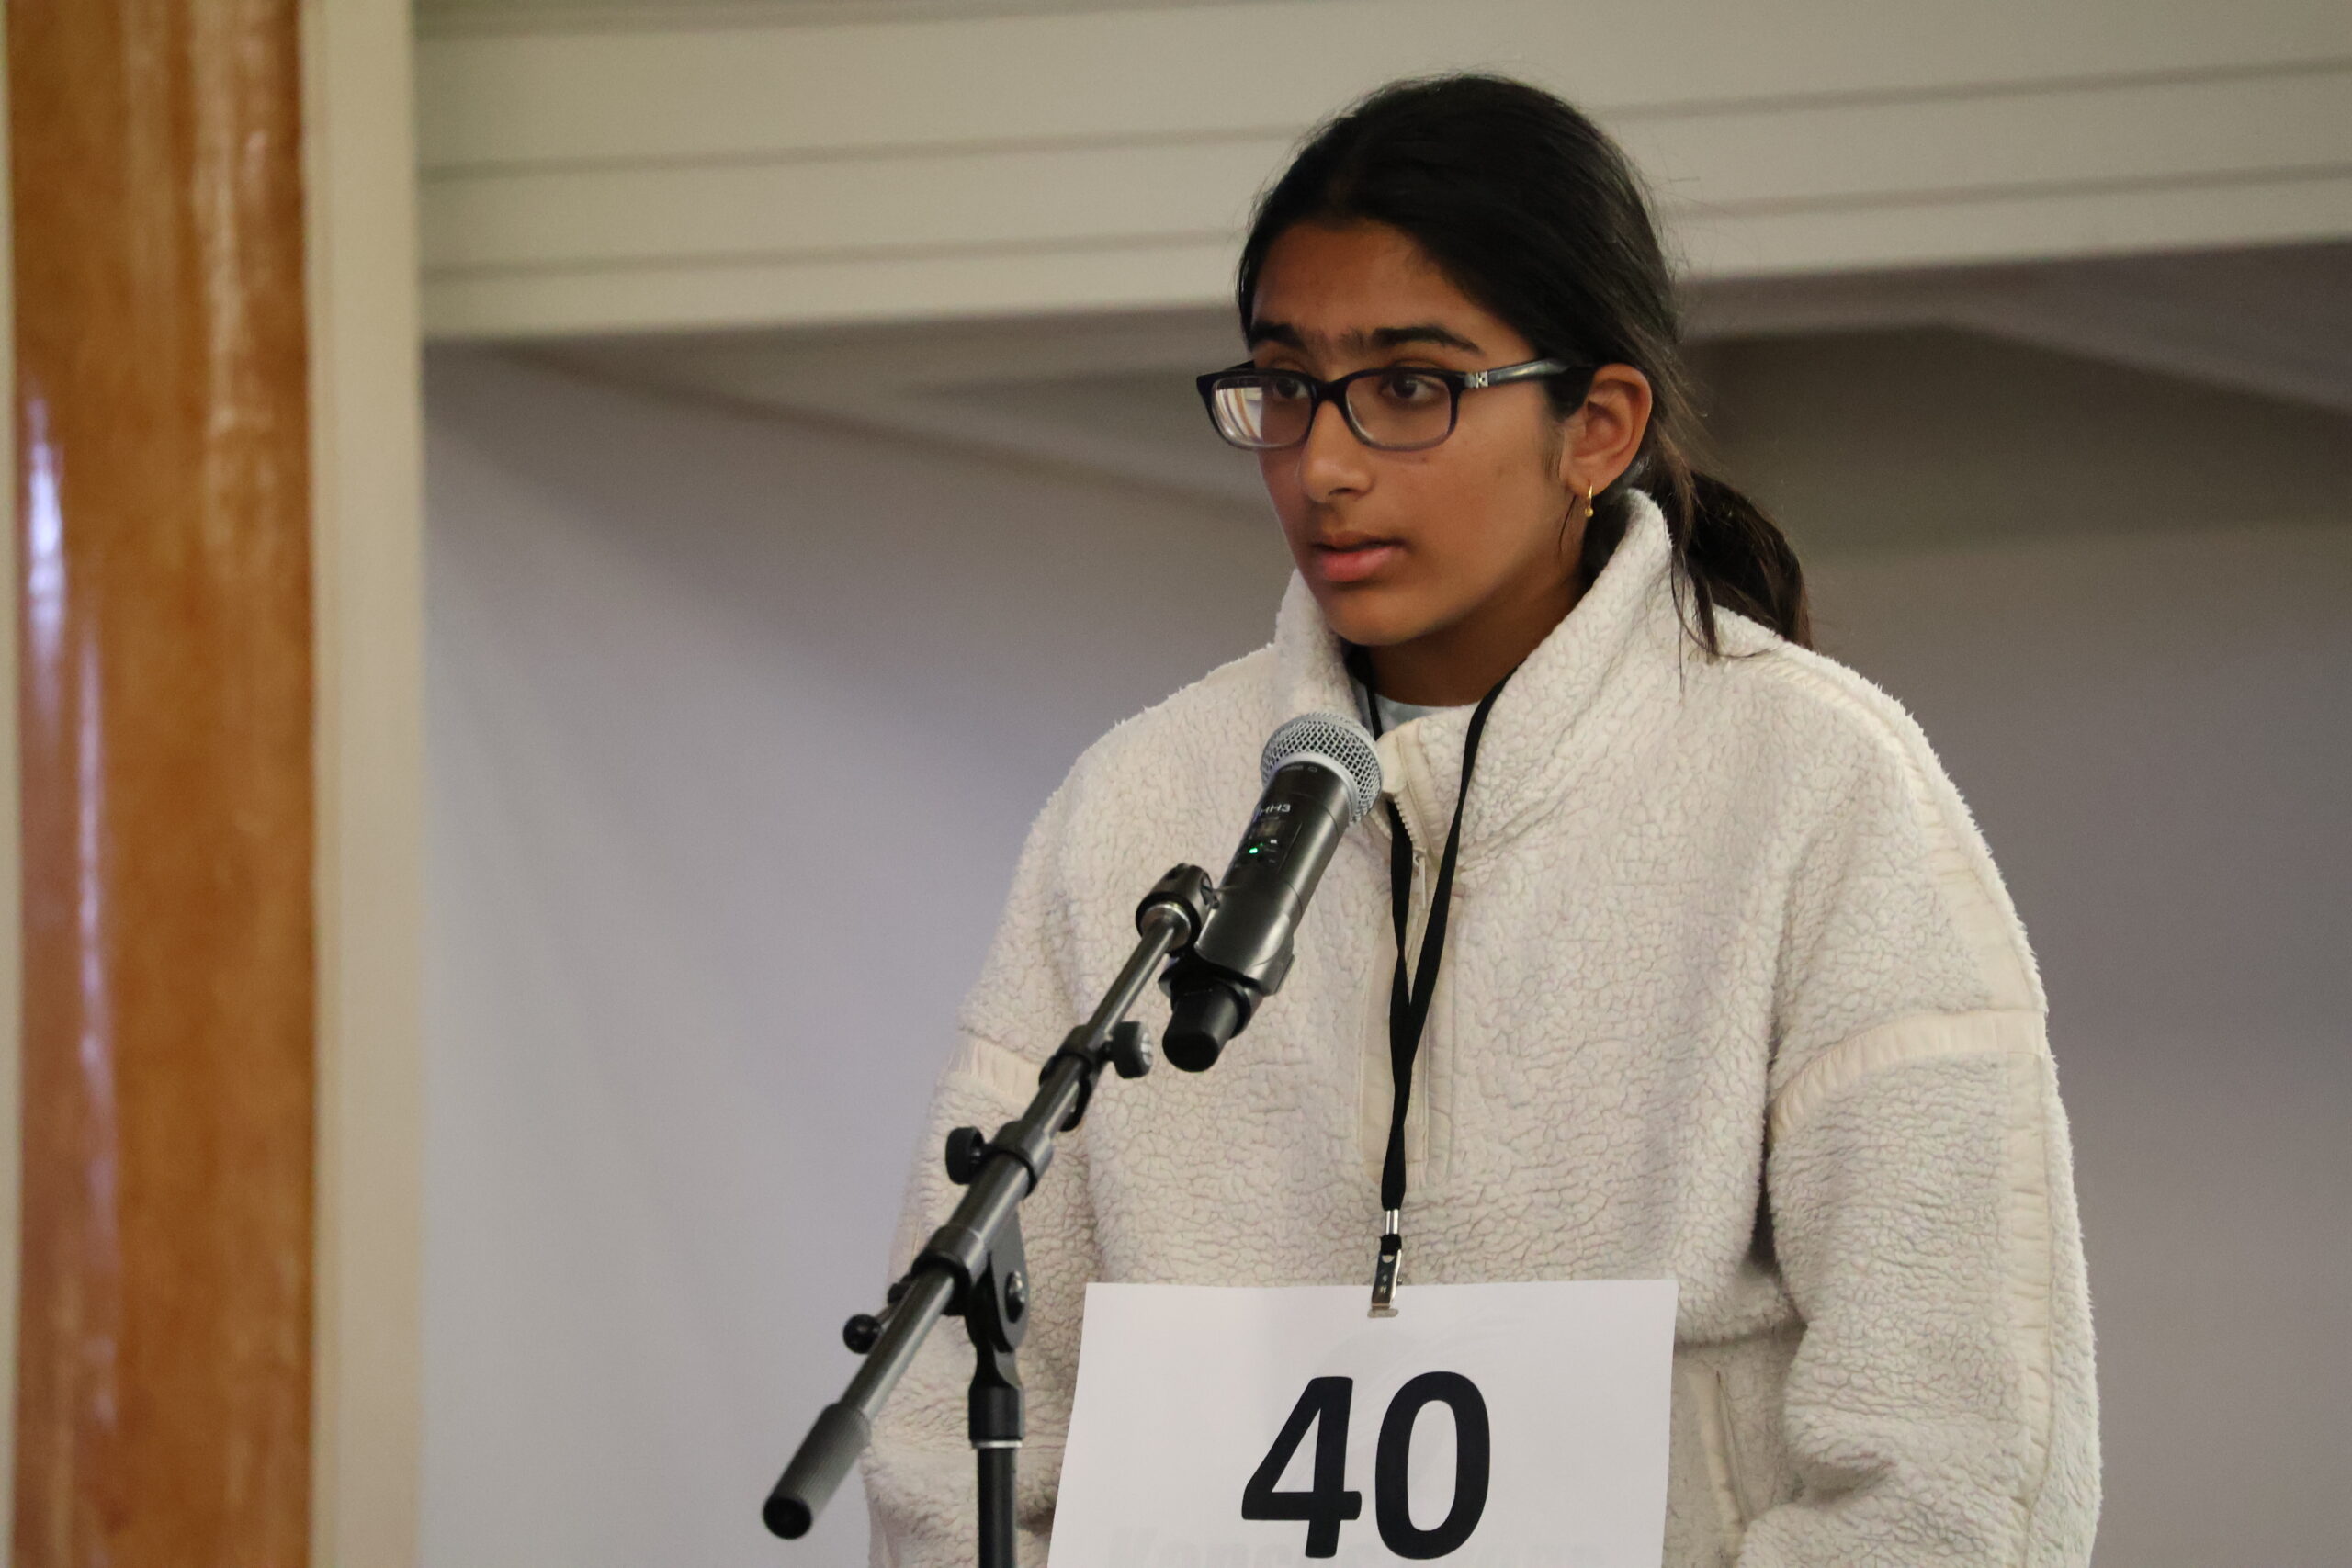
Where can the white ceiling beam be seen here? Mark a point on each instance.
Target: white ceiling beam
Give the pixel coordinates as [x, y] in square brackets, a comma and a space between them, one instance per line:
[696, 92]
[595, 180]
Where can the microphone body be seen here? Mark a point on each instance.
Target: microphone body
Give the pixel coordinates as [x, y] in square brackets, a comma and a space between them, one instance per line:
[1321, 774]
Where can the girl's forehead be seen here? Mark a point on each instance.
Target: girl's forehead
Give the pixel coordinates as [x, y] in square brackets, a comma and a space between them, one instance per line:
[1362, 288]
[1352, 258]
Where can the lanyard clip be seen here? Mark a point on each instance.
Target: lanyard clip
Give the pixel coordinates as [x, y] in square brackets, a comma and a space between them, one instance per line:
[1384, 1271]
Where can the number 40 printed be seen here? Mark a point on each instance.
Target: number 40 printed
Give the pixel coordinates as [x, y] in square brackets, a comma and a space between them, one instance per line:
[1328, 1504]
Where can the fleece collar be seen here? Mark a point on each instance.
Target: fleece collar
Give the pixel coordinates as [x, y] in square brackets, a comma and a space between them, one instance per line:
[1610, 669]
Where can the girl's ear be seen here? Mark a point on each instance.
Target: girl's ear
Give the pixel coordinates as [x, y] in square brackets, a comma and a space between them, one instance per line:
[1604, 436]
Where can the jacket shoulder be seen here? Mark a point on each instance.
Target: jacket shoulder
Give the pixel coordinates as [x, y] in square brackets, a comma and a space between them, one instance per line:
[1830, 710]
[1131, 804]
[1158, 787]
[1196, 725]
[1855, 742]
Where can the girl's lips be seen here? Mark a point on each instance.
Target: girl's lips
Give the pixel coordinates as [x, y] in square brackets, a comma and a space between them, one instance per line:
[1355, 562]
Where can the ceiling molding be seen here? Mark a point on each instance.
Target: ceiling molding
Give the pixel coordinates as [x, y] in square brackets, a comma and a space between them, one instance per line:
[1028, 389]
[2272, 320]
[1111, 393]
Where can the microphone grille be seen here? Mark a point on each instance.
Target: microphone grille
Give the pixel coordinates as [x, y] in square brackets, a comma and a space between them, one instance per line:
[1334, 741]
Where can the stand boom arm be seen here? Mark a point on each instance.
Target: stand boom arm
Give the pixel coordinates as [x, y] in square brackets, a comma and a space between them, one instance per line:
[957, 1253]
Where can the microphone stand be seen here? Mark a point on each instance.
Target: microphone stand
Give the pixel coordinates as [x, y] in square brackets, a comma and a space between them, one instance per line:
[973, 1265]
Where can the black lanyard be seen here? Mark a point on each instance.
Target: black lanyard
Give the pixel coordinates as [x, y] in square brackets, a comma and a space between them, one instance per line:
[1410, 992]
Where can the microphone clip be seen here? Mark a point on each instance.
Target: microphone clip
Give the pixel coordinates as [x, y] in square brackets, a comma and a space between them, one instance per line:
[1184, 892]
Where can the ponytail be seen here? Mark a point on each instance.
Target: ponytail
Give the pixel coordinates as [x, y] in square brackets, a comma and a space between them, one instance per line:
[1732, 555]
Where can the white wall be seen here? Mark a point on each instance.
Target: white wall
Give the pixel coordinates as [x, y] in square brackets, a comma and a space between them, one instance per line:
[736, 725]
[2154, 736]
[735, 729]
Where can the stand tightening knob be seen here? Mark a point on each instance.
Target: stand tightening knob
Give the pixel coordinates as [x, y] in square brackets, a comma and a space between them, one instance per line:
[861, 1333]
[967, 1147]
[1131, 1049]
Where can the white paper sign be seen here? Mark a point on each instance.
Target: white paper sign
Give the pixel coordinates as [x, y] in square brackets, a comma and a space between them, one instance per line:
[1483, 1426]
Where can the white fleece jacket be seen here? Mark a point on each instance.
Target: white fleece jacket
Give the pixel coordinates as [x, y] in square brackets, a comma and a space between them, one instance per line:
[1733, 994]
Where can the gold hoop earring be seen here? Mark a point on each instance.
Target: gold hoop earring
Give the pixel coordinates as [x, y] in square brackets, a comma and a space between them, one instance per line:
[1588, 506]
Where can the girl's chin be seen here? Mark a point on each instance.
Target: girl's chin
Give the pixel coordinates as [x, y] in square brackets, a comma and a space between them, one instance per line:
[1369, 615]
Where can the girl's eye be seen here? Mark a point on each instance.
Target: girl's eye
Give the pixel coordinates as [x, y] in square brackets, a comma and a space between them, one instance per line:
[1409, 388]
[1285, 389]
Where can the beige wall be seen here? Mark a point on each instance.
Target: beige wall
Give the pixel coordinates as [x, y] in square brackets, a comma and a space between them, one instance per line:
[737, 724]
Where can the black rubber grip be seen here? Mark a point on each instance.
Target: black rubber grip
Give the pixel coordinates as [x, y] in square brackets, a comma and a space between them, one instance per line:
[831, 1447]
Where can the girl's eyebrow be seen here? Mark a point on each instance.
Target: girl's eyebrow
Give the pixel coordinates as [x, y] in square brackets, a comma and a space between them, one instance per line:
[1422, 332]
[1289, 336]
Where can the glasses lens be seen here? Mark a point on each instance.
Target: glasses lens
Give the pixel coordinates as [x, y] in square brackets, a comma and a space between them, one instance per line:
[1402, 408]
[1258, 410]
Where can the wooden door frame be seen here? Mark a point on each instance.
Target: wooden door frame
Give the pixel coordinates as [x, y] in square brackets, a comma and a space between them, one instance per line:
[365, 523]
[367, 546]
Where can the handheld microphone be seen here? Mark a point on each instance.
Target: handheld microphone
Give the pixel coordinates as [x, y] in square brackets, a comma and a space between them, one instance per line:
[1321, 774]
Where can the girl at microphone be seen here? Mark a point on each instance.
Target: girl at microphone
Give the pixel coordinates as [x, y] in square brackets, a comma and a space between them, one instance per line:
[1729, 989]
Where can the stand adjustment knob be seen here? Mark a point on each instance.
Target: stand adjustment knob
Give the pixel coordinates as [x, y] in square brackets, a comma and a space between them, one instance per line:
[1130, 1048]
[861, 1333]
[967, 1147]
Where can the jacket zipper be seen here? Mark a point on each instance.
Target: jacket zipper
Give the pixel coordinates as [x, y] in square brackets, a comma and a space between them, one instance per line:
[1731, 1483]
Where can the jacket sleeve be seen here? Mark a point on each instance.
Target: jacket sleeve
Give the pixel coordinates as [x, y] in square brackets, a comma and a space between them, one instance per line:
[1941, 1408]
[918, 1469]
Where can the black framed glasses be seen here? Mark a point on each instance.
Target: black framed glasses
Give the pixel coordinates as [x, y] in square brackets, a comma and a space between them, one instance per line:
[1397, 408]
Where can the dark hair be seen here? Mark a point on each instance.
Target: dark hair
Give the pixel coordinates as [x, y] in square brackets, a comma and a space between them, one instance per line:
[1532, 210]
